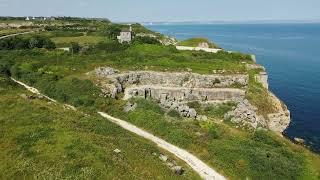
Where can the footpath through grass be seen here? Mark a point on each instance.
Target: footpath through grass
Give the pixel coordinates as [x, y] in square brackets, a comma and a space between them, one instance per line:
[236, 153]
[42, 140]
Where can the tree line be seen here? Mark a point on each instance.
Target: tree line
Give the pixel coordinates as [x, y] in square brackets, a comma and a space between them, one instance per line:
[26, 43]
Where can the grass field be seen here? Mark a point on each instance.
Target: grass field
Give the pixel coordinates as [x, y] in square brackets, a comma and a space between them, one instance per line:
[45, 141]
[82, 40]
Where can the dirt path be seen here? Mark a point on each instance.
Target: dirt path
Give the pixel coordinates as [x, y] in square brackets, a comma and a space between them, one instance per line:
[11, 35]
[196, 164]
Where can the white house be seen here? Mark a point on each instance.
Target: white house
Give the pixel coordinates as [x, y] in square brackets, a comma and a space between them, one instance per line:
[27, 19]
[125, 35]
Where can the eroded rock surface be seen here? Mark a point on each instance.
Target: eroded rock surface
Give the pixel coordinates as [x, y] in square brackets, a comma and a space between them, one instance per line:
[245, 113]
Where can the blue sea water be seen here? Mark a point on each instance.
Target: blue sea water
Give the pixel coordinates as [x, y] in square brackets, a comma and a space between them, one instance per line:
[291, 55]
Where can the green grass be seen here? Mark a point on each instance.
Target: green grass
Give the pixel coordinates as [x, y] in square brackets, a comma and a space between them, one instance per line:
[82, 40]
[259, 96]
[4, 32]
[45, 133]
[42, 140]
[194, 42]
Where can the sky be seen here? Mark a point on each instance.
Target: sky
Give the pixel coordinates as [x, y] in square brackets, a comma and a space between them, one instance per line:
[167, 10]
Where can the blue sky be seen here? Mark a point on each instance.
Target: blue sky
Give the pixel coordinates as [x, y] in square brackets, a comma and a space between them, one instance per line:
[167, 10]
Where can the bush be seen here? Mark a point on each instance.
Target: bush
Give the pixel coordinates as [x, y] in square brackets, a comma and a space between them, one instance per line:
[215, 132]
[145, 40]
[75, 47]
[112, 31]
[174, 114]
[113, 46]
[26, 43]
[5, 69]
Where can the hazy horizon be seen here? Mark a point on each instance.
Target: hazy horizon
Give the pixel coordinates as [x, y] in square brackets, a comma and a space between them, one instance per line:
[169, 11]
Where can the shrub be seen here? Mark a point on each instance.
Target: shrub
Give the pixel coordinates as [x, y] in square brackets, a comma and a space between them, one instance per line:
[145, 40]
[113, 46]
[75, 47]
[112, 31]
[174, 114]
[5, 69]
[215, 132]
[26, 43]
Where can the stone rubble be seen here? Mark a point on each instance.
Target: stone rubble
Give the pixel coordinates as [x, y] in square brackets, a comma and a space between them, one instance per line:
[245, 113]
[171, 164]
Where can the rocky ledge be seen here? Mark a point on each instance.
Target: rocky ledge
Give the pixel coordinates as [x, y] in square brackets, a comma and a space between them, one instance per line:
[174, 90]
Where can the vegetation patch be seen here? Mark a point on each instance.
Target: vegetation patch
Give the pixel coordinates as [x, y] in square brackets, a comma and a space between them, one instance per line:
[195, 42]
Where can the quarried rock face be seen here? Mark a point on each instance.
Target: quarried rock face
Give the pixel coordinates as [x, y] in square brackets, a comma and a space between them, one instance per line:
[189, 80]
[174, 90]
[184, 94]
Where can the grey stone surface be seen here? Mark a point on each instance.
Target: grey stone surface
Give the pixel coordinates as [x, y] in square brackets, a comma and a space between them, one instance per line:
[163, 158]
[129, 107]
[245, 113]
[188, 80]
[178, 170]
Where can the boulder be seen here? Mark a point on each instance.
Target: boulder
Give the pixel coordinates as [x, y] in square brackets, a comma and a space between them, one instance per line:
[192, 113]
[117, 151]
[163, 158]
[299, 141]
[178, 170]
[129, 107]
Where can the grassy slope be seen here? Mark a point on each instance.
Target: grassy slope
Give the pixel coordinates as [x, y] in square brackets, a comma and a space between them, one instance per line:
[42, 140]
[194, 42]
[234, 152]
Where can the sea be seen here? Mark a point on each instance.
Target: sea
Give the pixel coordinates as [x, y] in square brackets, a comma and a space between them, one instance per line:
[289, 52]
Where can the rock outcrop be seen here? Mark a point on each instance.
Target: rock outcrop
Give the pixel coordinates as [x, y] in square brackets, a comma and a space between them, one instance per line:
[245, 113]
[188, 80]
[279, 121]
[174, 90]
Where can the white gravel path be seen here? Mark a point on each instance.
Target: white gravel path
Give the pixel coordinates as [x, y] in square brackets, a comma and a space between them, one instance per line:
[197, 165]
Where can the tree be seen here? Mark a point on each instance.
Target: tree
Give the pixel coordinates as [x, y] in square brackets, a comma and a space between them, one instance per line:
[48, 44]
[112, 31]
[33, 43]
[5, 69]
[75, 47]
[145, 40]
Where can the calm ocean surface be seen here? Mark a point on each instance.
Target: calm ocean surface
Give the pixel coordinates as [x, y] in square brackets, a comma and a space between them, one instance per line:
[291, 54]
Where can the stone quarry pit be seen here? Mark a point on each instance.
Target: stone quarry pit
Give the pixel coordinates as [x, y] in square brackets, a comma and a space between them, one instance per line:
[173, 90]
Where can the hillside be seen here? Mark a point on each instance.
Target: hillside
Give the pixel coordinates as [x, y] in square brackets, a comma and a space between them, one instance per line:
[196, 42]
[217, 106]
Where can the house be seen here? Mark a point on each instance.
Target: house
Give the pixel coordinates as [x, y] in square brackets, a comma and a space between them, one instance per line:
[125, 35]
[27, 19]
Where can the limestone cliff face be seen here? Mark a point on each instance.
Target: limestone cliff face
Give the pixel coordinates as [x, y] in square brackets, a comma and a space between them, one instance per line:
[174, 90]
[279, 121]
